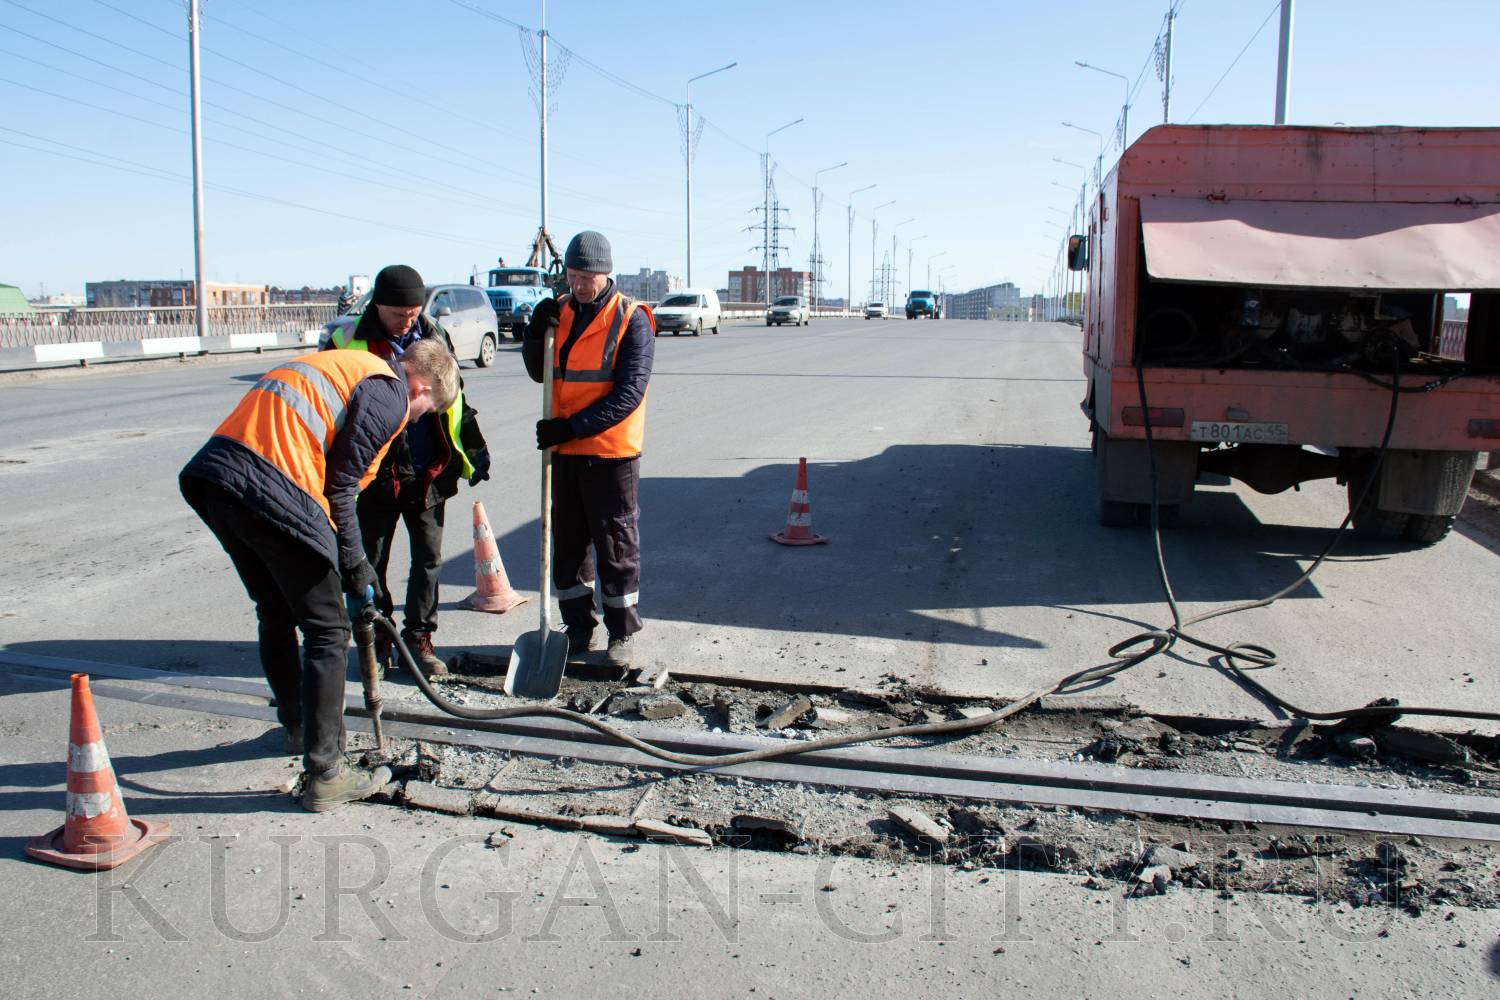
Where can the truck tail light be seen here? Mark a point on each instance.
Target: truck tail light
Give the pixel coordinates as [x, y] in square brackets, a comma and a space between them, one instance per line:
[1161, 416]
[1481, 427]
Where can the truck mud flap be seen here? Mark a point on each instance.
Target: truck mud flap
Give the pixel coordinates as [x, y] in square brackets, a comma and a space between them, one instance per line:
[1122, 469]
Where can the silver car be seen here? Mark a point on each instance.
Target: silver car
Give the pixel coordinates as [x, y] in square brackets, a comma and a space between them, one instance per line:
[463, 311]
[789, 309]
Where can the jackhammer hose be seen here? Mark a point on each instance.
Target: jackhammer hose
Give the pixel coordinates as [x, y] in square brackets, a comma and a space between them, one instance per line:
[1164, 639]
[949, 728]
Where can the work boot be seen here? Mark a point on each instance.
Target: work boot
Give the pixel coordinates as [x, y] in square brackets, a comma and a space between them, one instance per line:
[420, 646]
[620, 653]
[344, 783]
[293, 736]
[579, 641]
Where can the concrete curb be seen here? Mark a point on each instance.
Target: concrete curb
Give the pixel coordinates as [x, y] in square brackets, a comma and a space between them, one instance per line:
[84, 351]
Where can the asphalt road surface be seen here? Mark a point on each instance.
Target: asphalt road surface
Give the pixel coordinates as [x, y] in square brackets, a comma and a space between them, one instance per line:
[949, 469]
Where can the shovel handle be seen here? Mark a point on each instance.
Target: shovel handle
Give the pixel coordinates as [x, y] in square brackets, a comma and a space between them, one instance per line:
[545, 626]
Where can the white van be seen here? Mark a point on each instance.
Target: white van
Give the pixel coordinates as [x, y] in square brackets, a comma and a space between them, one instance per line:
[688, 310]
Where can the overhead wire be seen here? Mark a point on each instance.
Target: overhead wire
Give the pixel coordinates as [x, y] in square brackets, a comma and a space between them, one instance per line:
[1214, 89]
[159, 173]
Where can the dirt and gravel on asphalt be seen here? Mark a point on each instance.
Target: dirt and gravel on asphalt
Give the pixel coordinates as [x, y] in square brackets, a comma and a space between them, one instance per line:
[1108, 851]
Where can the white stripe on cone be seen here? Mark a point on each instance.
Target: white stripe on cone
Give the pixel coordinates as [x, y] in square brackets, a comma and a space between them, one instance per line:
[88, 757]
[800, 496]
[799, 520]
[89, 804]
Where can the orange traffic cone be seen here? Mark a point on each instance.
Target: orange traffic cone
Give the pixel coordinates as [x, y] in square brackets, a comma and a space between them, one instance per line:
[492, 588]
[798, 530]
[96, 833]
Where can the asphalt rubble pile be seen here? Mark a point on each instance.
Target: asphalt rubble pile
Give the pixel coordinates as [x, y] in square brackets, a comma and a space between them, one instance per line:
[1136, 855]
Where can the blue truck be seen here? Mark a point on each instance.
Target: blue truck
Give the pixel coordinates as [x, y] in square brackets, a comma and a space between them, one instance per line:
[923, 303]
[515, 292]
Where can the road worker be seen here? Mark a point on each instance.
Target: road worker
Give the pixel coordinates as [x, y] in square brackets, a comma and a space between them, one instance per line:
[422, 469]
[276, 484]
[602, 356]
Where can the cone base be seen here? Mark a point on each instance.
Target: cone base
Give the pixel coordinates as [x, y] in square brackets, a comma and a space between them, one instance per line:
[495, 604]
[782, 538]
[48, 848]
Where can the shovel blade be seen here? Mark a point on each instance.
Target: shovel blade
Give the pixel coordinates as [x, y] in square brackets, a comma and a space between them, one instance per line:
[537, 661]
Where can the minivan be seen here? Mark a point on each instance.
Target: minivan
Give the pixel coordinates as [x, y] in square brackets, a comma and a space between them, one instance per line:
[688, 310]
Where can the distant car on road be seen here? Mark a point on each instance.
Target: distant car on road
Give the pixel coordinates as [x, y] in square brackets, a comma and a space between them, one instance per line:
[688, 310]
[923, 303]
[463, 312]
[514, 293]
[875, 310]
[789, 309]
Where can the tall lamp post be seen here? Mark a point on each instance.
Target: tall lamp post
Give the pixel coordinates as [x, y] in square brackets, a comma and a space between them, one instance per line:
[849, 251]
[1099, 163]
[934, 257]
[874, 235]
[890, 291]
[910, 248]
[817, 247]
[690, 142]
[1124, 105]
[765, 161]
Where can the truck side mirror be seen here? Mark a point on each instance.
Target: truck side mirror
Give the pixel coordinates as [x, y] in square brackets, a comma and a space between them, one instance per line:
[1078, 252]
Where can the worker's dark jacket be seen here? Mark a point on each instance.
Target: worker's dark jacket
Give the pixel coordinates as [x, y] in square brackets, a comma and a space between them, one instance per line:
[398, 484]
[375, 407]
[633, 360]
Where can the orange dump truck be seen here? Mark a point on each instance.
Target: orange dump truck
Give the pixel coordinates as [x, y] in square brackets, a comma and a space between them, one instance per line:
[1267, 286]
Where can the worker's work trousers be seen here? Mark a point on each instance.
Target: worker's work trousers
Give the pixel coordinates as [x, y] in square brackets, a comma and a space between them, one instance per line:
[595, 517]
[424, 532]
[293, 588]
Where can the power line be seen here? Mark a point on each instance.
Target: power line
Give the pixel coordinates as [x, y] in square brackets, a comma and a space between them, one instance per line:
[486, 12]
[147, 170]
[1270, 14]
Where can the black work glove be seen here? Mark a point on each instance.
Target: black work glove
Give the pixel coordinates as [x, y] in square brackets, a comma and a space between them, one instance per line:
[545, 314]
[551, 433]
[481, 464]
[358, 578]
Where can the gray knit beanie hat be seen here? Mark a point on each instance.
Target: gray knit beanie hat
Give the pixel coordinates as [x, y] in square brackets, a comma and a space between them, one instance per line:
[589, 251]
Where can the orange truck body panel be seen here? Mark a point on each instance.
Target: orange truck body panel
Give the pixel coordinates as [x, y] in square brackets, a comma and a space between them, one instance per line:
[1283, 164]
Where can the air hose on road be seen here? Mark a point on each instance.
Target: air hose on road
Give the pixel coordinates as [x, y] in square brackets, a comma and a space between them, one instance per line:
[1158, 641]
[1257, 656]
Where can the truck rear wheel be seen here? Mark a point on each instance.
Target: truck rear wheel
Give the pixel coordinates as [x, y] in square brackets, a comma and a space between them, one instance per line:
[1370, 521]
[1428, 529]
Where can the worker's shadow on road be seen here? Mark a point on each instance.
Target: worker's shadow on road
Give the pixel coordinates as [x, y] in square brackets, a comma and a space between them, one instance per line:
[922, 538]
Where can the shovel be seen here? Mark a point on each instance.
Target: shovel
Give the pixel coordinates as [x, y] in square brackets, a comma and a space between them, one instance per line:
[537, 659]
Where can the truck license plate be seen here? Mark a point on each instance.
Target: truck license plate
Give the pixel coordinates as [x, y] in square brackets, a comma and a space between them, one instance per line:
[1239, 433]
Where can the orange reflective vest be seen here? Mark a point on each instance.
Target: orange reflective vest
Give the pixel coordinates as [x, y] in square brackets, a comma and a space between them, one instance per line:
[590, 375]
[291, 416]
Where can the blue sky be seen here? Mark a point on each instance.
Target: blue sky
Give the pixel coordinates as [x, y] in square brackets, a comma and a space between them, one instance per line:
[404, 131]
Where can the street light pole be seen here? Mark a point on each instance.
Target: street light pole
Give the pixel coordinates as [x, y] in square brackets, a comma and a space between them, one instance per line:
[1124, 105]
[817, 248]
[1099, 163]
[890, 279]
[910, 248]
[849, 251]
[874, 233]
[200, 306]
[766, 209]
[929, 265]
[1284, 62]
[688, 152]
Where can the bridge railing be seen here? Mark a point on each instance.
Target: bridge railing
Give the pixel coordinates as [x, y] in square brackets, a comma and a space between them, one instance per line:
[1453, 339]
[63, 326]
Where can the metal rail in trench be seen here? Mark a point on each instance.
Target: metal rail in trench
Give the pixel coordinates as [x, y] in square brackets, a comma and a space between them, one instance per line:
[1385, 811]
